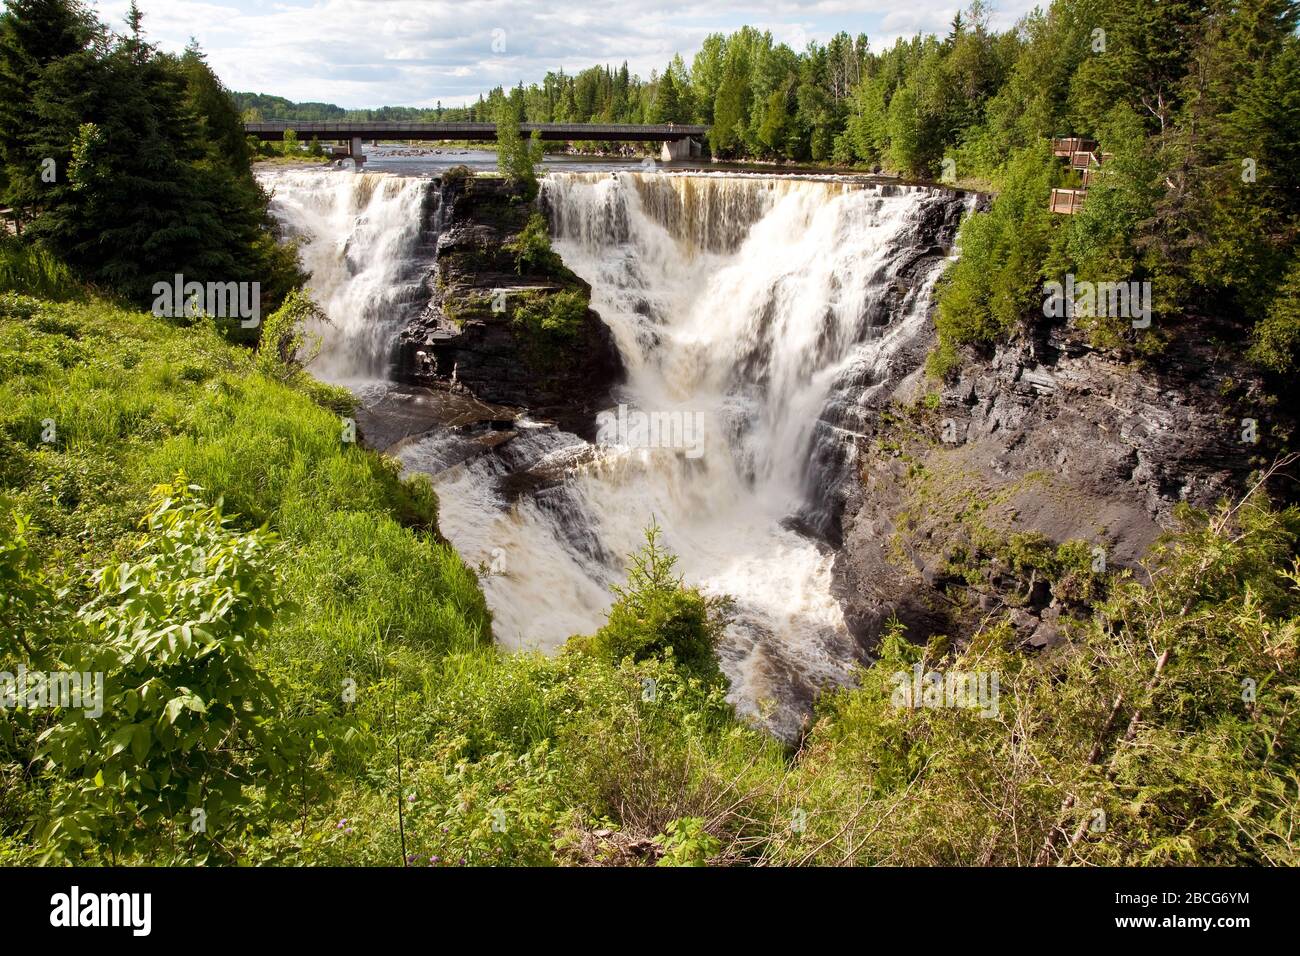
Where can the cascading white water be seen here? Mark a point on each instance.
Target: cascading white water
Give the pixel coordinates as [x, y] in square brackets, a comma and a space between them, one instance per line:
[744, 301]
[762, 307]
[361, 239]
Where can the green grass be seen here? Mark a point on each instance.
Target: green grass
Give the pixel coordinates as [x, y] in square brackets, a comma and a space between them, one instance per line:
[132, 401]
[28, 269]
[382, 645]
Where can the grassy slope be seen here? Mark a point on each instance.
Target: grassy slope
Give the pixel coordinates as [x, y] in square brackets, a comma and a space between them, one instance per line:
[524, 759]
[379, 600]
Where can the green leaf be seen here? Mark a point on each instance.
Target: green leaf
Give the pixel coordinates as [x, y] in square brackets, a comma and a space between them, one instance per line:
[141, 742]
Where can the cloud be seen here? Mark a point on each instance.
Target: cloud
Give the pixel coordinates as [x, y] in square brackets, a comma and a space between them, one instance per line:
[416, 52]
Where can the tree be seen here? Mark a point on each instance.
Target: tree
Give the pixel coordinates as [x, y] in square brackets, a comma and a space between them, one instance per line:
[516, 158]
[731, 105]
[655, 615]
[34, 34]
[667, 102]
[150, 165]
[772, 131]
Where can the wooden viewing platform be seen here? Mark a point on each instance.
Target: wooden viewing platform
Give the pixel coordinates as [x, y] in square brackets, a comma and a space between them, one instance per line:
[1067, 146]
[1085, 158]
[1068, 201]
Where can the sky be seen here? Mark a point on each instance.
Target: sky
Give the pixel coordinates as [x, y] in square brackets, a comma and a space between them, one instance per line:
[366, 53]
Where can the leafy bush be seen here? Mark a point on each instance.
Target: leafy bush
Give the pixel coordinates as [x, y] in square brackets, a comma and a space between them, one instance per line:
[687, 843]
[191, 727]
[457, 175]
[284, 347]
[532, 248]
[554, 315]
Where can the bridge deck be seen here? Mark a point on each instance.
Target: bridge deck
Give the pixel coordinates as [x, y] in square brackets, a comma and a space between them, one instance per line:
[610, 132]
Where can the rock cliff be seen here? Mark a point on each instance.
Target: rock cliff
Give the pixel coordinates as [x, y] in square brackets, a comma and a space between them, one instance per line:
[967, 489]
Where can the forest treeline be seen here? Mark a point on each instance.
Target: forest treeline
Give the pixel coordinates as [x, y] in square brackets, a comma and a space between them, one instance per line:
[1196, 104]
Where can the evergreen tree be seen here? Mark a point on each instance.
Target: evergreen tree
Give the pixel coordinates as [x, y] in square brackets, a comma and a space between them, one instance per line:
[151, 164]
[34, 147]
[517, 157]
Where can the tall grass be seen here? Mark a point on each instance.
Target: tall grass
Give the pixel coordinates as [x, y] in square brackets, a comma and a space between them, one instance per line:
[30, 270]
[131, 401]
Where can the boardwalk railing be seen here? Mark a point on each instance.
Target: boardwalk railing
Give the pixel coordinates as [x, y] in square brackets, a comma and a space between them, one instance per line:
[1067, 146]
[1085, 158]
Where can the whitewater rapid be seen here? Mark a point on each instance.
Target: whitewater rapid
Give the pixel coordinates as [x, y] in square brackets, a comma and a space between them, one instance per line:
[763, 308]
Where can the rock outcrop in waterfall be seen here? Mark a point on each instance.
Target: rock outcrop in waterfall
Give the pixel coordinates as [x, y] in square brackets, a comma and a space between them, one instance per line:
[474, 332]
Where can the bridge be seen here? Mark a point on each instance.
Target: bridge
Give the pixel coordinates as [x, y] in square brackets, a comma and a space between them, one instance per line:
[679, 141]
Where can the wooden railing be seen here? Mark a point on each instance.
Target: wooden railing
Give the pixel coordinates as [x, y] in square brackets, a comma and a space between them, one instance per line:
[1085, 158]
[1067, 146]
[1068, 201]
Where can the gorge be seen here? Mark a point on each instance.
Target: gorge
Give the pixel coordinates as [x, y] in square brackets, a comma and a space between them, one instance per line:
[778, 369]
[789, 317]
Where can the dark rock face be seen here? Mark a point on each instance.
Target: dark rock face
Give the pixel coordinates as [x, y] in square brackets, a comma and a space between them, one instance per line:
[468, 336]
[1063, 440]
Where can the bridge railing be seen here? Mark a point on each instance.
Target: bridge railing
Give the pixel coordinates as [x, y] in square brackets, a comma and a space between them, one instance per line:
[488, 130]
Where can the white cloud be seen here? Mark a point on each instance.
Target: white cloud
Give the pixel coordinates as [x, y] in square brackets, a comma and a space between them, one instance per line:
[415, 52]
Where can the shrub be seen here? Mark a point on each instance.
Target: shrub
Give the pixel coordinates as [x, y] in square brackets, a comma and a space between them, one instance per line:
[686, 843]
[284, 347]
[457, 175]
[654, 615]
[557, 315]
[532, 248]
[190, 727]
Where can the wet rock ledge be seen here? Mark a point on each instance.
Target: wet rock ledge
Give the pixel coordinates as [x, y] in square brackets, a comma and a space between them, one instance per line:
[491, 327]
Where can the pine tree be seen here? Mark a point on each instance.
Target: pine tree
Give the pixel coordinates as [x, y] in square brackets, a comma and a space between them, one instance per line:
[33, 35]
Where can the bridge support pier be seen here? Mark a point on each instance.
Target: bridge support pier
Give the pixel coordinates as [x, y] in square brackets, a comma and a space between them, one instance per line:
[684, 148]
[354, 150]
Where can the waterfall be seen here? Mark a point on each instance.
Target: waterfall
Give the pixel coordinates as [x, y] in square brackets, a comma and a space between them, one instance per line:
[367, 240]
[766, 310]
